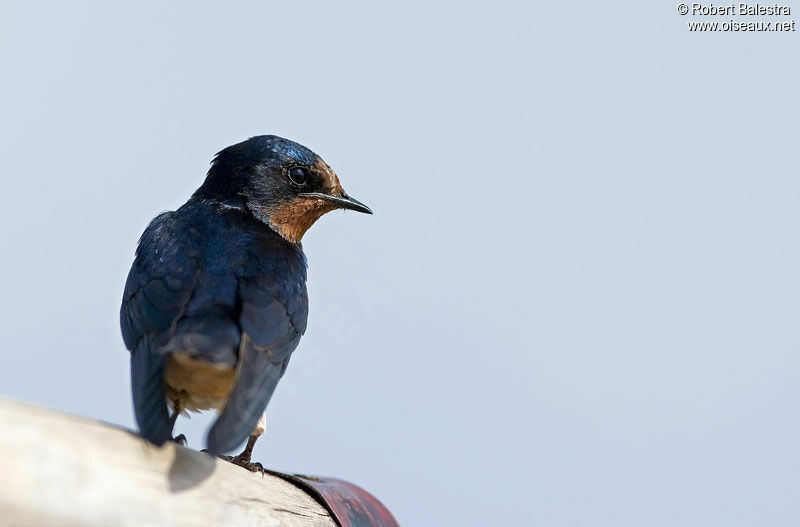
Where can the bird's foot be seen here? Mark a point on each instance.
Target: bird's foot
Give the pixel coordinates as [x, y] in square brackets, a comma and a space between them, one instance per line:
[180, 439]
[244, 462]
[243, 459]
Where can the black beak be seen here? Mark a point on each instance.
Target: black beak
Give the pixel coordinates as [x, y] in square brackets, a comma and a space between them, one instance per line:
[343, 202]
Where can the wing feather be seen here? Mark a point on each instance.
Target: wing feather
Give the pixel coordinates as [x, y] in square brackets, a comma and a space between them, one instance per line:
[270, 333]
[159, 286]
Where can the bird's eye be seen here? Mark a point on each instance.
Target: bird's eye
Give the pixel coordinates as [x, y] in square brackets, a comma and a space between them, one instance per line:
[298, 176]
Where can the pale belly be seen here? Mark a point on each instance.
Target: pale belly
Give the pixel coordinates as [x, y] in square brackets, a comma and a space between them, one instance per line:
[194, 385]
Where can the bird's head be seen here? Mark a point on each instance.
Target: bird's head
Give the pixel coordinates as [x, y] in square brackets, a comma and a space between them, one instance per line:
[282, 183]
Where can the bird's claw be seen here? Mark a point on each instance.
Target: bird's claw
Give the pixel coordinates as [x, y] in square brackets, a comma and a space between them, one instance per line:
[180, 439]
[244, 462]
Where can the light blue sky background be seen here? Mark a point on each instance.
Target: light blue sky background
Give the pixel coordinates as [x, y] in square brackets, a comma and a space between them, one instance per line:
[576, 303]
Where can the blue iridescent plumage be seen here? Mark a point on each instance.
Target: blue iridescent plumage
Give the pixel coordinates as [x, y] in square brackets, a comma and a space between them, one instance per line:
[221, 283]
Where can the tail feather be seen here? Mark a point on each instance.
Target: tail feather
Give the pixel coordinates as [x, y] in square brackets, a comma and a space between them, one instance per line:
[149, 400]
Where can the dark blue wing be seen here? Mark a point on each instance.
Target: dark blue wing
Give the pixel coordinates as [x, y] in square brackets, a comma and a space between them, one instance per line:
[274, 309]
[159, 286]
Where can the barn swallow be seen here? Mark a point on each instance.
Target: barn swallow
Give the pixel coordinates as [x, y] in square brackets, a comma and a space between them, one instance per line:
[216, 301]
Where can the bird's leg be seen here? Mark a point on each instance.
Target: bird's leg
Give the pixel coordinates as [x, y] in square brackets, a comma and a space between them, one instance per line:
[246, 454]
[176, 411]
[243, 459]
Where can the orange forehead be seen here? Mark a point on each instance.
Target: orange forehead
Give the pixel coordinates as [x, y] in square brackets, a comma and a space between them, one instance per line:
[332, 184]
